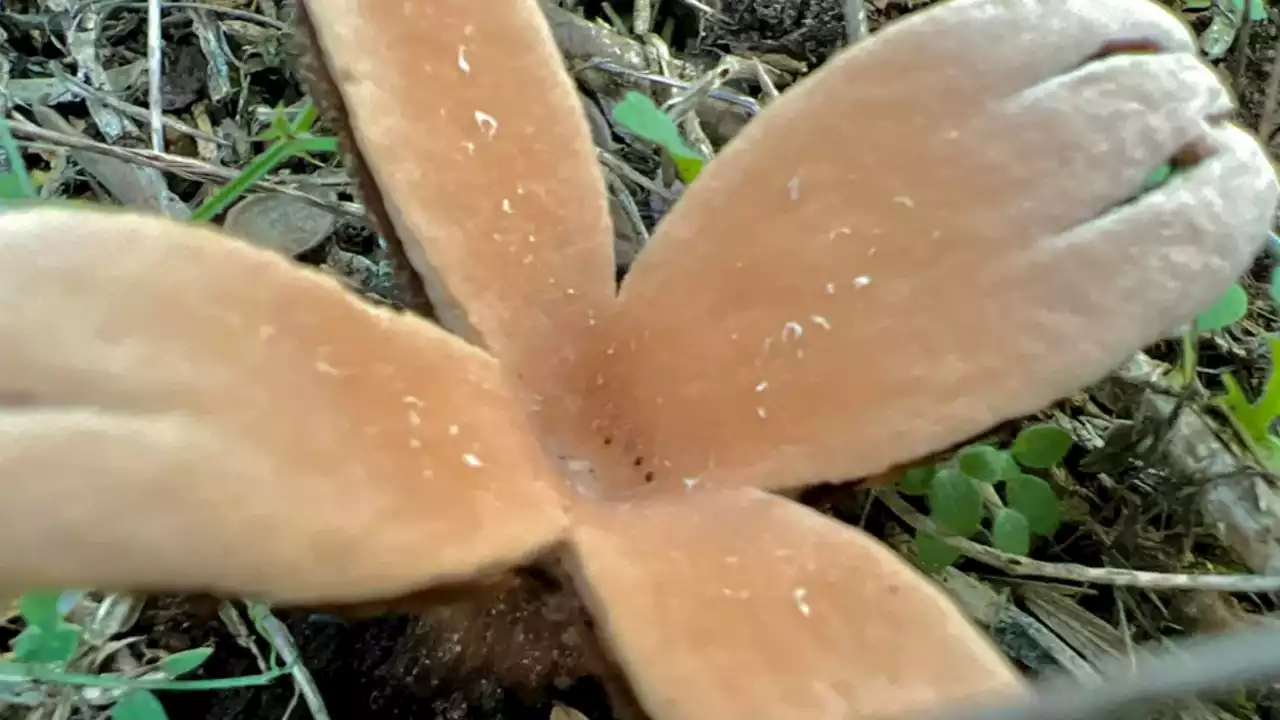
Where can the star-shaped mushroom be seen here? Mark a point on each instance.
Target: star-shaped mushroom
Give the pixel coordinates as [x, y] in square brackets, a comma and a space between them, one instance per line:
[943, 228]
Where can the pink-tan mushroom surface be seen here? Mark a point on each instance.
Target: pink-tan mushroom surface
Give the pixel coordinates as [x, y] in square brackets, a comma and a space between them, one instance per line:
[943, 228]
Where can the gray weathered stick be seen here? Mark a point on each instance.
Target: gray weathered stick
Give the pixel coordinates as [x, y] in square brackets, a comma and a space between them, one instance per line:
[1195, 667]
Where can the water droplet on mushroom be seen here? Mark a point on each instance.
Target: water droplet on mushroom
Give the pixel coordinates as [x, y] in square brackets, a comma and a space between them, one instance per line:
[471, 147]
[468, 29]
[820, 322]
[471, 460]
[532, 239]
[414, 418]
[762, 385]
[691, 482]
[905, 201]
[326, 368]
[415, 443]
[831, 288]
[453, 429]
[792, 330]
[506, 206]
[862, 280]
[801, 604]
[411, 400]
[487, 123]
[463, 65]
[793, 188]
[761, 412]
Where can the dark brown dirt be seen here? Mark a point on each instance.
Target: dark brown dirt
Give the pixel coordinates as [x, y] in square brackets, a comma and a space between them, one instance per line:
[809, 30]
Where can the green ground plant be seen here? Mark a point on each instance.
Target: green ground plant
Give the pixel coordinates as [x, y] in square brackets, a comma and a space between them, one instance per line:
[997, 493]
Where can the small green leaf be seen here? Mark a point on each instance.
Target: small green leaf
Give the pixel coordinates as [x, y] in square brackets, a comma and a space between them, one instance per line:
[307, 144]
[1157, 178]
[1041, 446]
[47, 645]
[955, 502]
[1035, 499]
[917, 480]
[138, 705]
[1010, 532]
[933, 553]
[982, 462]
[1226, 310]
[639, 115]
[40, 609]
[16, 183]
[1008, 466]
[688, 168]
[181, 663]
[1257, 10]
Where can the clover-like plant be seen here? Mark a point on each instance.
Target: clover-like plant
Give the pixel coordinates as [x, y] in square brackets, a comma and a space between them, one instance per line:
[941, 229]
[962, 493]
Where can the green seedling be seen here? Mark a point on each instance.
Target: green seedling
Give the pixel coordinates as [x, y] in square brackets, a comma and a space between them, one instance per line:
[289, 139]
[1229, 309]
[15, 183]
[640, 116]
[963, 494]
[1254, 419]
[49, 649]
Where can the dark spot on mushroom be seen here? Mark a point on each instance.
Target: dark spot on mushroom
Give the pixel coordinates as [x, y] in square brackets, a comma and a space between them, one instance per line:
[648, 476]
[608, 441]
[638, 461]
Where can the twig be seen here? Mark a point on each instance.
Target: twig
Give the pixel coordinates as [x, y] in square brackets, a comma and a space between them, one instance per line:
[279, 636]
[855, 21]
[767, 89]
[155, 75]
[177, 164]
[230, 12]
[136, 112]
[1018, 565]
[704, 9]
[742, 101]
[1239, 60]
[1221, 664]
[621, 168]
[1267, 123]
[641, 17]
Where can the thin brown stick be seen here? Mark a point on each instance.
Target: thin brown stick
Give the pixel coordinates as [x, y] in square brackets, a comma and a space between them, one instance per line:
[1267, 123]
